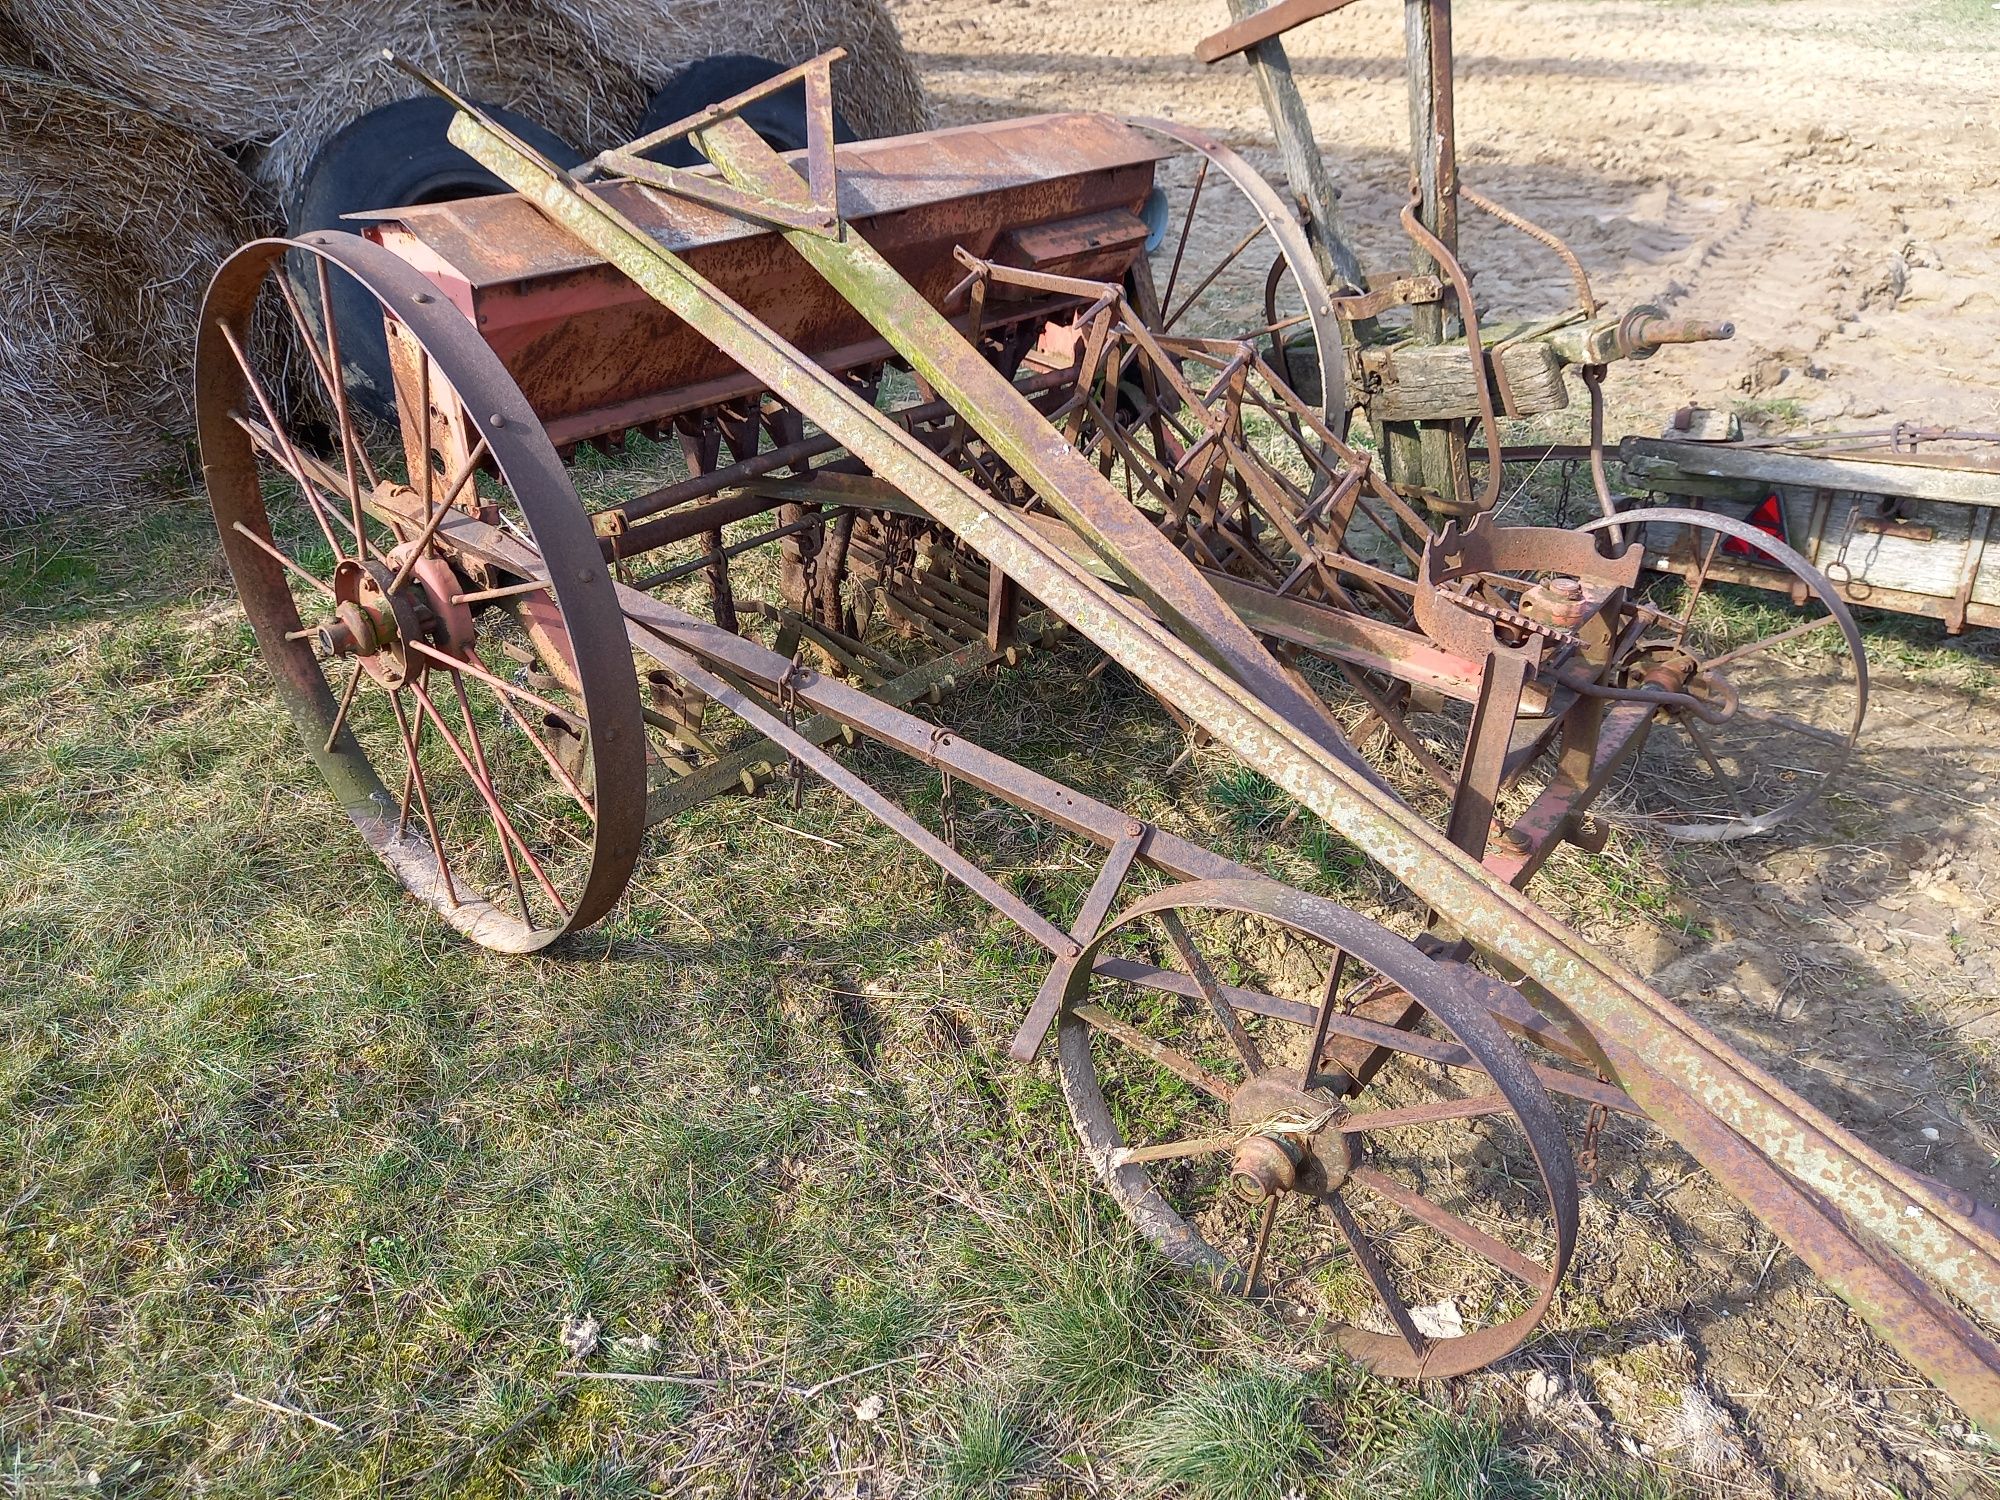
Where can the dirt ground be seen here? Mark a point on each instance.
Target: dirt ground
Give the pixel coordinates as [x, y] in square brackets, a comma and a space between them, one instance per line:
[1826, 174]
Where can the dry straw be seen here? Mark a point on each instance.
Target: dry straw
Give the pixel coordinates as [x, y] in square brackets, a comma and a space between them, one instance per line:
[876, 87]
[514, 53]
[287, 74]
[111, 222]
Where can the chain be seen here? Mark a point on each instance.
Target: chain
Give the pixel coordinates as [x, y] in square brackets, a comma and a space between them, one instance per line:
[788, 700]
[1586, 1155]
[947, 793]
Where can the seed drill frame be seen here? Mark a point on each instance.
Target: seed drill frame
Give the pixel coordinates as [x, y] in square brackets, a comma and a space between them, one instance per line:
[1187, 501]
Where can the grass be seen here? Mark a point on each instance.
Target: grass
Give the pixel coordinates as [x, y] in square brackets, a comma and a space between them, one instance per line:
[299, 1192]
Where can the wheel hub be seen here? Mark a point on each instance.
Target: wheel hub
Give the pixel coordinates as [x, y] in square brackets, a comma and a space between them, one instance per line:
[1292, 1144]
[376, 627]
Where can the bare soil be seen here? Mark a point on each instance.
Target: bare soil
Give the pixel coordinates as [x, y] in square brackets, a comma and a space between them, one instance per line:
[1826, 174]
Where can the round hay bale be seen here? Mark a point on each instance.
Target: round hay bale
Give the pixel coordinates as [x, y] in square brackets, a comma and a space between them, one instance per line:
[111, 222]
[507, 52]
[15, 49]
[876, 85]
[231, 68]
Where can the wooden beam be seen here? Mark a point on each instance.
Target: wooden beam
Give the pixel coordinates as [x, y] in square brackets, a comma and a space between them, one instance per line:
[1262, 26]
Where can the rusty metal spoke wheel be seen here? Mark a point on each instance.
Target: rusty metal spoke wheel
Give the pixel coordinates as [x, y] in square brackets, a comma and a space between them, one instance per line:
[1766, 700]
[1299, 1102]
[1228, 258]
[515, 811]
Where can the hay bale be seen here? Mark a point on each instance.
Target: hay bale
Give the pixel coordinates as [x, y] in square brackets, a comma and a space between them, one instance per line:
[877, 86]
[230, 68]
[111, 222]
[514, 53]
[287, 74]
[15, 49]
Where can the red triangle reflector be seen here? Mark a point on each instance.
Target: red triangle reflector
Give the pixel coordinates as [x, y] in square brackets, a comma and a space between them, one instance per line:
[1768, 518]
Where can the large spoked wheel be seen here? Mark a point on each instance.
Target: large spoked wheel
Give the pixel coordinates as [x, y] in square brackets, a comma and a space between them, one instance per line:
[1769, 698]
[515, 812]
[1228, 258]
[1410, 1186]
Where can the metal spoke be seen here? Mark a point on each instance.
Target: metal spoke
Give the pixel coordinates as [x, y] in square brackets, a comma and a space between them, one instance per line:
[1688, 723]
[338, 389]
[346, 698]
[288, 456]
[460, 664]
[555, 765]
[1378, 1276]
[1767, 643]
[1423, 1114]
[416, 776]
[1270, 1217]
[486, 775]
[487, 795]
[317, 497]
[1786, 721]
[311, 343]
[1241, 245]
[257, 540]
[1187, 228]
[1448, 1224]
[409, 782]
[437, 519]
[1193, 1072]
[1211, 990]
[1695, 586]
[1328, 998]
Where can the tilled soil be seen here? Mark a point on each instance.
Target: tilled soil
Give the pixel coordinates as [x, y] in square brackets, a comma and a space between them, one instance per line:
[1826, 174]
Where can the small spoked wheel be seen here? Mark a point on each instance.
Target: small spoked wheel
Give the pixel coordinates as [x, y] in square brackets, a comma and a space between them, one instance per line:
[1768, 695]
[1228, 258]
[515, 811]
[1300, 1103]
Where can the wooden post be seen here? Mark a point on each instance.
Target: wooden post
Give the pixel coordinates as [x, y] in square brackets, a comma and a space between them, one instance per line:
[1431, 455]
[1305, 169]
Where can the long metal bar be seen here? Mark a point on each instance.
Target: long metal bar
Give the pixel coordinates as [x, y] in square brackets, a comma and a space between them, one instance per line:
[1782, 1157]
[1146, 561]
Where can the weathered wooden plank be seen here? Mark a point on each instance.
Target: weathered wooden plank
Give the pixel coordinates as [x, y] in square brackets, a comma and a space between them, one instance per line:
[1262, 26]
[1828, 471]
[1415, 383]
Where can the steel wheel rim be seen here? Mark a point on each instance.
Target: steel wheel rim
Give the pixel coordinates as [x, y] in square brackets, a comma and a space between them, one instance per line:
[1294, 255]
[532, 475]
[1836, 754]
[1447, 998]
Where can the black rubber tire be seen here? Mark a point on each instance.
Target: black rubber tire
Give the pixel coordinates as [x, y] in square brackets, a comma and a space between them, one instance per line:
[391, 157]
[779, 118]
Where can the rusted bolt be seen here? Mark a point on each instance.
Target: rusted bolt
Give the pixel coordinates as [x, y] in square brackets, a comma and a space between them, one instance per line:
[1566, 588]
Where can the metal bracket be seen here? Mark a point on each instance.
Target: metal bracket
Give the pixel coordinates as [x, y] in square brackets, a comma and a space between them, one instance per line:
[819, 215]
[1404, 291]
[1090, 916]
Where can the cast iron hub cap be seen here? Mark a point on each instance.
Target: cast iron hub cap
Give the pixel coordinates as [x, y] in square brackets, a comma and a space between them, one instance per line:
[1293, 1144]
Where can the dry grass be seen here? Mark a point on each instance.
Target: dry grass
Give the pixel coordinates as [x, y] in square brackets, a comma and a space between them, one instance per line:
[298, 1192]
[111, 221]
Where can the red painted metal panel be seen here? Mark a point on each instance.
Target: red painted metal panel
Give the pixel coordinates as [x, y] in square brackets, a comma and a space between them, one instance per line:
[594, 354]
